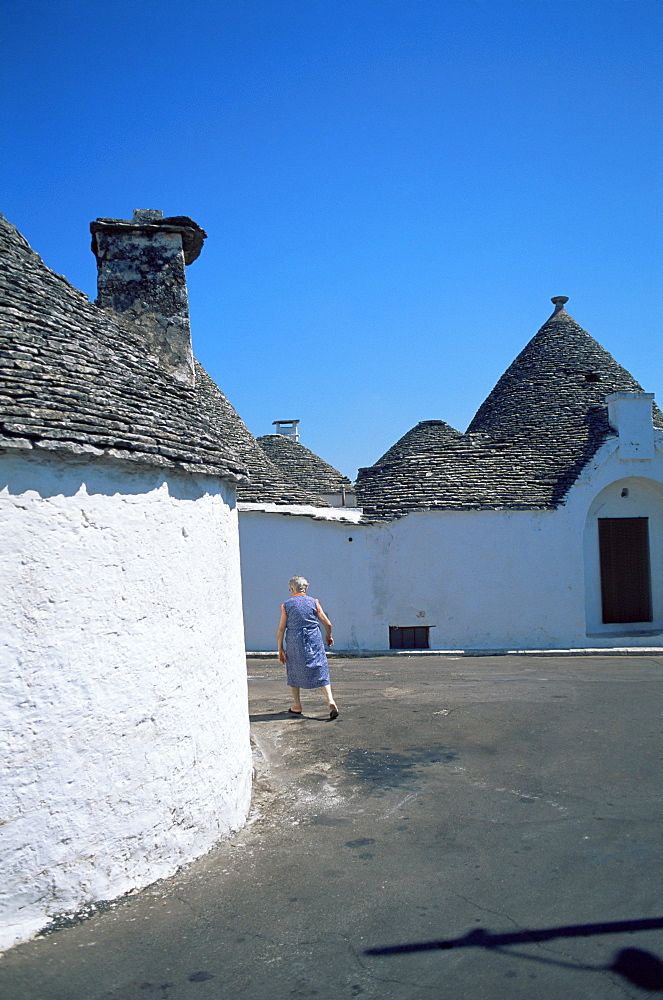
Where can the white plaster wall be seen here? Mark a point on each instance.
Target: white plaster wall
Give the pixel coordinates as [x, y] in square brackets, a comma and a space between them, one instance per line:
[485, 579]
[125, 751]
[519, 579]
[481, 579]
[276, 546]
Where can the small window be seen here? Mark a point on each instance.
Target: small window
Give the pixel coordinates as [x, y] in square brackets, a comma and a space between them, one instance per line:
[415, 637]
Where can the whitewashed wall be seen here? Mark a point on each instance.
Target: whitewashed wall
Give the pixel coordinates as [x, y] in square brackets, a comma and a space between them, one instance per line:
[522, 579]
[125, 751]
[483, 579]
[327, 547]
[480, 579]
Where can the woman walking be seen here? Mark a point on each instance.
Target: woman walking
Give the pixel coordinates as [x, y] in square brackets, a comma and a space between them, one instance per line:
[304, 654]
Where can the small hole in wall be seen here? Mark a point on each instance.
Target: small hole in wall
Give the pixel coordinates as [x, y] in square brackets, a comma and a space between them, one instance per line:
[349, 539]
[625, 492]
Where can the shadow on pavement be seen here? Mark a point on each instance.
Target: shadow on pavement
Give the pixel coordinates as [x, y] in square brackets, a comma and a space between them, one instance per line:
[285, 714]
[638, 967]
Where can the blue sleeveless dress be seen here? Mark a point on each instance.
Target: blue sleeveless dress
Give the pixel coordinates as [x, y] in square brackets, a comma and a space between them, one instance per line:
[305, 658]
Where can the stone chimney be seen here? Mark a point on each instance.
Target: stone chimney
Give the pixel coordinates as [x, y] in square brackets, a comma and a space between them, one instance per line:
[630, 415]
[140, 276]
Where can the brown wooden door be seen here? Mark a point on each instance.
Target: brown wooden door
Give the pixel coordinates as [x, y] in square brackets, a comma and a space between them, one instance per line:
[625, 574]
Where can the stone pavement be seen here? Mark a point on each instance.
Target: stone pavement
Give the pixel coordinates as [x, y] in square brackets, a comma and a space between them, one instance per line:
[469, 828]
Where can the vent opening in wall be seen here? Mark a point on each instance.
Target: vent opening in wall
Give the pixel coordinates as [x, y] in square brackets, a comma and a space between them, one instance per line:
[414, 637]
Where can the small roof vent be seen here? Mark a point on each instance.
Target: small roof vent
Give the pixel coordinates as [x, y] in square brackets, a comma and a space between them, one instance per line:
[286, 427]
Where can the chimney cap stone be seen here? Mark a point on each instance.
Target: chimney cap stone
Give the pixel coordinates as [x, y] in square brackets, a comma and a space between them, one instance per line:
[147, 215]
[152, 220]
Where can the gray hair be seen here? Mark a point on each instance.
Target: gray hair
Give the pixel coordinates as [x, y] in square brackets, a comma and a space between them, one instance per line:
[298, 583]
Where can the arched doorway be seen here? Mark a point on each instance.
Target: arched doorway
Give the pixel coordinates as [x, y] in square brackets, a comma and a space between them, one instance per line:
[623, 549]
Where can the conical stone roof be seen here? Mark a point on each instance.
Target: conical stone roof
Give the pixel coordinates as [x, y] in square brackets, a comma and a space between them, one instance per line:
[528, 442]
[552, 398]
[301, 466]
[471, 473]
[561, 374]
[426, 437]
[77, 379]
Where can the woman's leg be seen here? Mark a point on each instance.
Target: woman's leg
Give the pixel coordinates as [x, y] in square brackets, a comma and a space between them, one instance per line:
[329, 697]
[296, 703]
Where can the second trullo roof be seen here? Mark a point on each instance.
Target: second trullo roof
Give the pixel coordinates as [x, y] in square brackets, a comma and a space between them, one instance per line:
[301, 466]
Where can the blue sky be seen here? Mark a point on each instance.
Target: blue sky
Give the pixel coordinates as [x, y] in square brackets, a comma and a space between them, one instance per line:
[392, 189]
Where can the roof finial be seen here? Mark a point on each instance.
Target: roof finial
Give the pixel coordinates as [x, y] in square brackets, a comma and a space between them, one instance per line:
[559, 301]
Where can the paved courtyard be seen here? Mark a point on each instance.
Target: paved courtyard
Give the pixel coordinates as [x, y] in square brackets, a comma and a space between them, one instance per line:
[469, 828]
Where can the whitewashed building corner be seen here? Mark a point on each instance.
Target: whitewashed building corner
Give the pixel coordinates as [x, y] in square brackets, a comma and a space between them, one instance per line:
[125, 747]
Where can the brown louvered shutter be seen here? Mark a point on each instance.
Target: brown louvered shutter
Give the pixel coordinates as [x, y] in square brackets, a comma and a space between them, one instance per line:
[625, 576]
[416, 637]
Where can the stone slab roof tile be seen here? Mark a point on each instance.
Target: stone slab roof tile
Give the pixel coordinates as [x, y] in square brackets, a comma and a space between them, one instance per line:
[527, 444]
[560, 376]
[77, 379]
[426, 436]
[470, 474]
[302, 466]
[267, 483]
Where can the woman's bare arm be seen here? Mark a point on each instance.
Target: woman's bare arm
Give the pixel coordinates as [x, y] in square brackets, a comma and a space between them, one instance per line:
[280, 634]
[327, 624]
